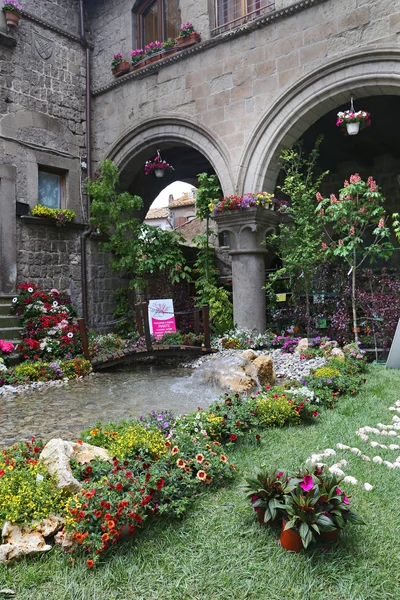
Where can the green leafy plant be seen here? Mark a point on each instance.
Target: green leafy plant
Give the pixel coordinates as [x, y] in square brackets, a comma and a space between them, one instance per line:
[137, 249]
[356, 227]
[266, 491]
[299, 242]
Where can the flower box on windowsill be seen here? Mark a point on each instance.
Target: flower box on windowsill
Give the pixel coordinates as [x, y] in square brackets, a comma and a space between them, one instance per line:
[29, 220]
[190, 40]
[153, 58]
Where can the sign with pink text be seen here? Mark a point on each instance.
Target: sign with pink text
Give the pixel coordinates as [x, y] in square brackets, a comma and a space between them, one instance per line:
[161, 317]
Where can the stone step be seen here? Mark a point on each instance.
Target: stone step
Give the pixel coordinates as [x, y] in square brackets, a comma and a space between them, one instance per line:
[9, 321]
[6, 298]
[9, 333]
[5, 309]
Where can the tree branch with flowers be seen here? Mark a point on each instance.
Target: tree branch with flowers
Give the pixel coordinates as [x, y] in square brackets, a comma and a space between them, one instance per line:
[356, 228]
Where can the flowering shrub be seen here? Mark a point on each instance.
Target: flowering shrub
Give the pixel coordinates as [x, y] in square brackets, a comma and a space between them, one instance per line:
[350, 116]
[60, 215]
[156, 163]
[12, 6]
[28, 372]
[135, 438]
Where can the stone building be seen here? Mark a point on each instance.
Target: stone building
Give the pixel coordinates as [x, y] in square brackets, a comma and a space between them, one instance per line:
[265, 74]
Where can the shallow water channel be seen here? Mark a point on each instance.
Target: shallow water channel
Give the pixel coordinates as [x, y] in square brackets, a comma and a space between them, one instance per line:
[114, 395]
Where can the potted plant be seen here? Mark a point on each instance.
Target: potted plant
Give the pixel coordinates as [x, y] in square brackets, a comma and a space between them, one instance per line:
[153, 52]
[137, 58]
[13, 12]
[266, 491]
[187, 36]
[157, 166]
[169, 47]
[352, 122]
[119, 66]
[304, 515]
[262, 199]
[60, 215]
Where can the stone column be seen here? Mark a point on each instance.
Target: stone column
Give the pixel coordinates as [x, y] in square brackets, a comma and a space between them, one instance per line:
[8, 230]
[247, 230]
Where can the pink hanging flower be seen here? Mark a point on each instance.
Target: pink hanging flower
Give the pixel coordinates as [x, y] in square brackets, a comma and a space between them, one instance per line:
[340, 242]
[381, 223]
[321, 212]
[352, 231]
[372, 184]
[324, 246]
[346, 183]
[307, 483]
[319, 197]
[333, 198]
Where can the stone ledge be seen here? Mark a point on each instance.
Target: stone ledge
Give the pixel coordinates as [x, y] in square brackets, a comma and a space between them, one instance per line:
[28, 220]
[7, 40]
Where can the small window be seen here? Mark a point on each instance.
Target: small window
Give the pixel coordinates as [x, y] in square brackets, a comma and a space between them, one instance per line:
[232, 13]
[224, 239]
[158, 20]
[51, 189]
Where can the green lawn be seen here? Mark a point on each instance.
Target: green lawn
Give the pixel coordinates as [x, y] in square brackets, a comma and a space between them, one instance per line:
[219, 552]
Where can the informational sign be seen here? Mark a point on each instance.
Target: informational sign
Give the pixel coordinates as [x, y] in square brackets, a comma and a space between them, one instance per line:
[161, 317]
[318, 298]
[281, 297]
[393, 361]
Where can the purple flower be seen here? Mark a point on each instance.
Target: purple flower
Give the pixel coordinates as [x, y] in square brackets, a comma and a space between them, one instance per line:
[307, 484]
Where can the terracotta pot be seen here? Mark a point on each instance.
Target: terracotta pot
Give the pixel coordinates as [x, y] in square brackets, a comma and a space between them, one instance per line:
[329, 536]
[168, 52]
[12, 18]
[123, 68]
[185, 42]
[138, 65]
[153, 58]
[290, 539]
[260, 519]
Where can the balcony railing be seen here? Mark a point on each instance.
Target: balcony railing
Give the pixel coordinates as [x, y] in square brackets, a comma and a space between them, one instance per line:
[233, 13]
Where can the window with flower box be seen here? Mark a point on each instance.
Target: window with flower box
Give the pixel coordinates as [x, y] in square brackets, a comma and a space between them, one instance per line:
[232, 13]
[157, 20]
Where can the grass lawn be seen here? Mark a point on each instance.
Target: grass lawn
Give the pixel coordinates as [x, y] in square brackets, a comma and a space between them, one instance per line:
[219, 552]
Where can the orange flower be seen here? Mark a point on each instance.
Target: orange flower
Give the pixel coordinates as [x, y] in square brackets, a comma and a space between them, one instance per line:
[105, 537]
[79, 442]
[90, 563]
[168, 443]
[175, 450]
[223, 458]
[209, 479]
[216, 443]
[79, 538]
[206, 464]
[199, 458]
[114, 434]
[201, 475]
[110, 524]
[113, 532]
[187, 470]
[180, 463]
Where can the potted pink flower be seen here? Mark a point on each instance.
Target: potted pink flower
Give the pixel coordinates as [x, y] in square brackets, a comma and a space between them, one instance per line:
[187, 36]
[153, 52]
[13, 12]
[119, 66]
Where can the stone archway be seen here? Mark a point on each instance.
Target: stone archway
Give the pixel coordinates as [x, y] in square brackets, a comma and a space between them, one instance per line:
[366, 73]
[130, 148]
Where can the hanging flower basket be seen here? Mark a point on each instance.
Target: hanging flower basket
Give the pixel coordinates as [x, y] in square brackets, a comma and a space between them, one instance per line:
[351, 122]
[157, 166]
[13, 12]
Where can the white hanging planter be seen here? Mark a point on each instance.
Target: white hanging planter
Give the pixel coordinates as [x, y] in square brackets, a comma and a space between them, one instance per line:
[159, 172]
[353, 128]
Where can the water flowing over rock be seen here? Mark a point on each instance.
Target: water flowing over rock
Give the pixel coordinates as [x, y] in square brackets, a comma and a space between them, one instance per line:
[56, 457]
[228, 373]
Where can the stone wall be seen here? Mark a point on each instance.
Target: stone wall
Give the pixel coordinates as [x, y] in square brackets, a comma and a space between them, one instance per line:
[230, 84]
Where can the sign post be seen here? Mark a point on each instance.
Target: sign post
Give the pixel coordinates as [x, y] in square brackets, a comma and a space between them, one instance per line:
[161, 317]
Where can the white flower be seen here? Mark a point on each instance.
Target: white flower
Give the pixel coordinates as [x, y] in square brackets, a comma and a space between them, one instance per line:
[54, 291]
[43, 345]
[70, 335]
[15, 300]
[368, 487]
[55, 303]
[196, 429]
[198, 416]
[378, 460]
[204, 432]
[350, 479]
[30, 290]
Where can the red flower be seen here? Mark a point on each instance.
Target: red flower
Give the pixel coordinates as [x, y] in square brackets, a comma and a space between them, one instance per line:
[233, 437]
[90, 563]
[119, 487]
[2, 473]
[36, 450]
[160, 483]
[145, 500]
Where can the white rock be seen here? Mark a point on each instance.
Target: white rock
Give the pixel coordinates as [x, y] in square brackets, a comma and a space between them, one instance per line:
[336, 471]
[368, 487]
[388, 464]
[374, 444]
[365, 457]
[392, 433]
[350, 479]
[329, 452]
[356, 451]
[342, 447]
[378, 460]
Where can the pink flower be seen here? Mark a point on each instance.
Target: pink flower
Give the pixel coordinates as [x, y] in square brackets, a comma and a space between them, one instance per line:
[340, 242]
[279, 475]
[6, 346]
[319, 197]
[307, 484]
[355, 178]
[346, 183]
[381, 223]
[324, 246]
[352, 232]
[321, 212]
[339, 491]
[333, 198]
[372, 184]
[345, 499]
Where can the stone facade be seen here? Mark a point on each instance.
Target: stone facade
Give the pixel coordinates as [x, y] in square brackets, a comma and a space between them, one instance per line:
[236, 98]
